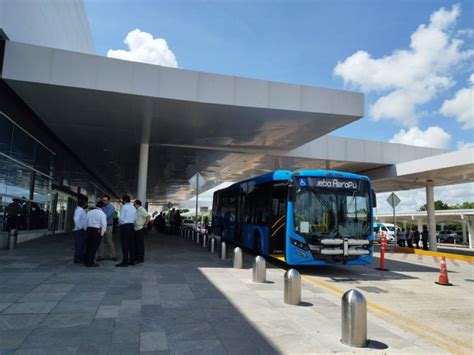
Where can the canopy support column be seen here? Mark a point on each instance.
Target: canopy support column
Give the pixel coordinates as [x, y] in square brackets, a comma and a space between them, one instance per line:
[431, 215]
[143, 171]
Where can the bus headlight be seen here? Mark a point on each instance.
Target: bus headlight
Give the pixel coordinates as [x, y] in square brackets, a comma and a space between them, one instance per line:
[298, 244]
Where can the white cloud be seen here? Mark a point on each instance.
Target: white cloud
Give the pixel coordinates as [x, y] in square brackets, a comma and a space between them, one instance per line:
[434, 137]
[412, 200]
[408, 78]
[461, 106]
[145, 49]
[465, 145]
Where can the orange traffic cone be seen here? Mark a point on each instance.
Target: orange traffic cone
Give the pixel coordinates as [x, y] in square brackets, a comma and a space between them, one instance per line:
[443, 274]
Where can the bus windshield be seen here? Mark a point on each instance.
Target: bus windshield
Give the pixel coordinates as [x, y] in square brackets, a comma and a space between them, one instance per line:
[332, 208]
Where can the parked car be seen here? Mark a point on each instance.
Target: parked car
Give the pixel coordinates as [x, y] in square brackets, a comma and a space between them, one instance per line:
[387, 228]
[188, 223]
[449, 236]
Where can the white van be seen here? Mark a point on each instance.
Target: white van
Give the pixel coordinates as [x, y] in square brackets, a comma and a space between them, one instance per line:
[388, 228]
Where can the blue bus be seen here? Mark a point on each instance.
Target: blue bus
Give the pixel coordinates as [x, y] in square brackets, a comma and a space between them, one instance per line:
[307, 217]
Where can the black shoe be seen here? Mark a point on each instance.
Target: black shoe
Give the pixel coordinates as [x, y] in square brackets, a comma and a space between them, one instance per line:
[139, 261]
[121, 265]
[100, 259]
[131, 263]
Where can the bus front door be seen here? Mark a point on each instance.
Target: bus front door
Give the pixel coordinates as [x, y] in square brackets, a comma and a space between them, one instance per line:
[277, 236]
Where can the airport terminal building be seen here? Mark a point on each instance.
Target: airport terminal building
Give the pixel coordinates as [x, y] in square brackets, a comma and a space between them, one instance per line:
[73, 123]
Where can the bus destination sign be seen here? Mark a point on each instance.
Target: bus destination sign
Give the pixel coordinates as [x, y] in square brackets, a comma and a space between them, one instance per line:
[330, 183]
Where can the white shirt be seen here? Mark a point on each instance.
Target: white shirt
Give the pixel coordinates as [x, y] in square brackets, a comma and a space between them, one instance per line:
[80, 220]
[96, 218]
[128, 214]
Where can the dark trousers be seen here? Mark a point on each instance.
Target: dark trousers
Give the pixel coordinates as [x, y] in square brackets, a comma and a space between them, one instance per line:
[425, 244]
[93, 240]
[140, 244]
[79, 245]
[127, 239]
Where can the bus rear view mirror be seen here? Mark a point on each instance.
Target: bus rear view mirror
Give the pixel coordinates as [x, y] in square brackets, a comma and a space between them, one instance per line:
[374, 199]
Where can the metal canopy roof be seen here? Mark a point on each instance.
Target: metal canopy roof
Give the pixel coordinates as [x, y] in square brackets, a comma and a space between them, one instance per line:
[442, 169]
[103, 108]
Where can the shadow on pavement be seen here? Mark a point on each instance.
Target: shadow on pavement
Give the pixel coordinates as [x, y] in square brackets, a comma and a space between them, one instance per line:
[167, 303]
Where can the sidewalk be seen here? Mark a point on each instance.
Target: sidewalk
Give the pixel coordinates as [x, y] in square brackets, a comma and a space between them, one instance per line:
[181, 300]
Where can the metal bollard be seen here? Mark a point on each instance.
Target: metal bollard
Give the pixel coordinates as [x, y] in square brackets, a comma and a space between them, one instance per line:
[204, 241]
[187, 233]
[223, 251]
[354, 319]
[198, 238]
[259, 270]
[12, 239]
[212, 245]
[193, 235]
[292, 289]
[238, 258]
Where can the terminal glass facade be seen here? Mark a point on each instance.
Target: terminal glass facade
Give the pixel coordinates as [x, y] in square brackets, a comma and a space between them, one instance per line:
[38, 188]
[25, 179]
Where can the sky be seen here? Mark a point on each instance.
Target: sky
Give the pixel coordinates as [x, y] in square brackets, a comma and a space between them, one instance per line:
[413, 60]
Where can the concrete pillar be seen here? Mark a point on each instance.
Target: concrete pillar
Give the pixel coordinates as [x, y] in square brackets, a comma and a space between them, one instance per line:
[431, 215]
[464, 234]
[442, 226]
[470, 230]
[146, 114]
[419, 223]
[142, 171]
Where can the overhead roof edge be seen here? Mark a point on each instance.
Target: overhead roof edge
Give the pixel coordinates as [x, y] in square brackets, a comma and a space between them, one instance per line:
[36, 64]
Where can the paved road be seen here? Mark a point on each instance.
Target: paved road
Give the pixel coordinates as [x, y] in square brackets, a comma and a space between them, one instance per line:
[181, 300]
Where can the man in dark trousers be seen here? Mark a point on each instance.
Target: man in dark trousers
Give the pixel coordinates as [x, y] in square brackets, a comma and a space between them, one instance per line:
[141, 223]
[416, 236]
[96, 227]
[424, 238]
[79, 232]
[127, 218]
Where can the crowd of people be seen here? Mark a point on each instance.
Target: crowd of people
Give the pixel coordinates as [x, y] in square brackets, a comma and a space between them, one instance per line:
[406, 237]
[93, 232]
[168, 223]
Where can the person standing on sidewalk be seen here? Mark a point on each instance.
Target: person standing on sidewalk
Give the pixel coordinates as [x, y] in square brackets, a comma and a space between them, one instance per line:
[96, 227]
[410, 238]
[127, 217]
[79, 231]
[424, 238]
[140, 225]
[416, 237]
[107, 248]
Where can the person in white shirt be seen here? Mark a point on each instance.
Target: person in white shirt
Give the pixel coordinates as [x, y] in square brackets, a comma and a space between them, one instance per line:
[127, 217]
[79, 231]
[96, 227]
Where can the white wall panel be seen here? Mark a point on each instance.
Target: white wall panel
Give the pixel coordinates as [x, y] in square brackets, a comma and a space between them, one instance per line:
[251, 92]
[285, 96]
[50, 23]
[72, 69]
[178, 84]
[27, 63]
[216, 88]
